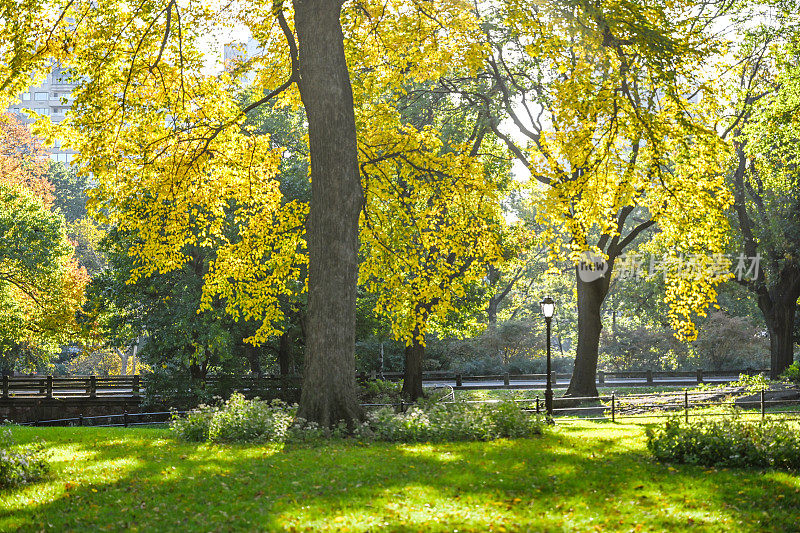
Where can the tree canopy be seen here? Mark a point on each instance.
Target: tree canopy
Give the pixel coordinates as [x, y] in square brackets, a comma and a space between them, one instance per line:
[41, 285]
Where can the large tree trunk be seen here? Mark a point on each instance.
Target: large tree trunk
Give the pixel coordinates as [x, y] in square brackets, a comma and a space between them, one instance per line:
[778, 304]
[777, 293]
[329, 386]
[780, 324]
[412, 377]
[590, 300]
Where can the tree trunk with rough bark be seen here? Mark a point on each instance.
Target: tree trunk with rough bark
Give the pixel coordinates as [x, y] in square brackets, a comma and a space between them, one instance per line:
[285, 353]
[412, 377]
[780, 324]
[329, 386]
[590, 299]
[251, 354]
[777, 292]
[494, 340]
[778, 304]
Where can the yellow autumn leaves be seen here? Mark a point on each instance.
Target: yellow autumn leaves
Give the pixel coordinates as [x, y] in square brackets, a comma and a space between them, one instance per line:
[177, 167]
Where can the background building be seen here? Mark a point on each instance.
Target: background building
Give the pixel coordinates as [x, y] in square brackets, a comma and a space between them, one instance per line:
[235, 53]
[53, 98]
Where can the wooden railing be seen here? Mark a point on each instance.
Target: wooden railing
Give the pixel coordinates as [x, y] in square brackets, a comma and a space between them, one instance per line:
[74, 386]
[133, 386]
[120, 386]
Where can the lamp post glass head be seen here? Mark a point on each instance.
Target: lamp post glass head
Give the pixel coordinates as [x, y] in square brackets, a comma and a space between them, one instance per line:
[548, 307]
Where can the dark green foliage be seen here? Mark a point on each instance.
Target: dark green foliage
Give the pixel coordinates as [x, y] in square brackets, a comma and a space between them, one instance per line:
[376, 391]
[21, 464]
[172, 388]
[729, 442]
[792, 373]
[69, 191]
[32, 252]
[487, 366]
[724, 342]
[368, 354]
[182, 345]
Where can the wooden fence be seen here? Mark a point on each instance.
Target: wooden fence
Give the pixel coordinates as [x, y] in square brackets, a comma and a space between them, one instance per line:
[133, 386]
[121, 386]
[68, 387]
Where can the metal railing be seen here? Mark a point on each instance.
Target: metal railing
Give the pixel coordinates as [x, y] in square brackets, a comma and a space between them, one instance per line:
[631, 408]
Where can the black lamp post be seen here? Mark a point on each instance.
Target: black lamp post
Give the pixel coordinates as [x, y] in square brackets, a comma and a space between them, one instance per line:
[548, 308]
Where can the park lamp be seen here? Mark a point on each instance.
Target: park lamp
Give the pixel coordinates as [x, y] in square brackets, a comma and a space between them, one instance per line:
[548, 307]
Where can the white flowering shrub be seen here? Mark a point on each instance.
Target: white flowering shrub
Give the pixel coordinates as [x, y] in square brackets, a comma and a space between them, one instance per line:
[241, 420]
[193, 427]
[459, 421]
[237, 420]
[21, 464]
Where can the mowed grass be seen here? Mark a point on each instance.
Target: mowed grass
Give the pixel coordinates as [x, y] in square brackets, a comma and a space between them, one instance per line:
[579, 477]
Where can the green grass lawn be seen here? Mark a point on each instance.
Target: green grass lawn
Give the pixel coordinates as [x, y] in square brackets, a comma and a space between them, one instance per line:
[578, 477]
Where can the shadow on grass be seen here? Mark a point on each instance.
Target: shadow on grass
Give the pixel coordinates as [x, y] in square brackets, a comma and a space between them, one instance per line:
[576, 478]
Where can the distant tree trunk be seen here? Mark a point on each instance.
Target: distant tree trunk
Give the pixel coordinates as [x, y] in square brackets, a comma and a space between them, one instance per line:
[198, 371]
[491, 312]
[285, 353]
[493, 277]
[135, 353]
[123, 361]
[590, 300]
[412, 377]
[491, 316]
[329, 386]
[251, 354]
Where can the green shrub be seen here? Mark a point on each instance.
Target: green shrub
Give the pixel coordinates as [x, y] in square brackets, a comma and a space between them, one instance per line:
[754, 383]
[450, 422]
[20, 464]
[194, 427]
[730, 441]
[380, 391]
[237, 420]
[241, 420]
[792, 373]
